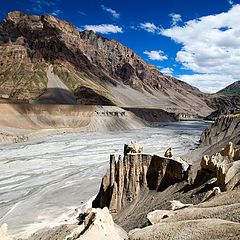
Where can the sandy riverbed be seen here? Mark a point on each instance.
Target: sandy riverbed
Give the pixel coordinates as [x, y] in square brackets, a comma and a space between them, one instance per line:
[42, 182]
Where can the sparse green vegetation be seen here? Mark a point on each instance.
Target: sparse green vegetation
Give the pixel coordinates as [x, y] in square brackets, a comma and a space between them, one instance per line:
[231, 89]
[75, 79]
[22, 80]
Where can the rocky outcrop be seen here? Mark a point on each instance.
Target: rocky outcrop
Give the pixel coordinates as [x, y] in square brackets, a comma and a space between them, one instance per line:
[99, 224]
[226, 128]
[135, 173]
[207, 229]
[169, 153]
[134, 147]
[153, 115]
[224, 104]
[225, 166]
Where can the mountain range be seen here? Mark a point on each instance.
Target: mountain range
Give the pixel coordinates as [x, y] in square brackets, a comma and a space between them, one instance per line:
[47, 60]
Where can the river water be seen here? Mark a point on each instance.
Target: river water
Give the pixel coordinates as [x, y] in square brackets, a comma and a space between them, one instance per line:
[42, 182]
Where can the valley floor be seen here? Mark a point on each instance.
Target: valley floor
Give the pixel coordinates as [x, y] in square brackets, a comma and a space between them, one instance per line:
[60, 173]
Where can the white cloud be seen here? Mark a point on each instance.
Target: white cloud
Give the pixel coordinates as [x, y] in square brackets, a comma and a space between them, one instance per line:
[175, 18]
[156, 55]
[167, 71]
[230, 2]
[210, 47]
[113, 12]
[82, 13]
[56, 12]
[209, 83]
[104, 28]
[149, 27]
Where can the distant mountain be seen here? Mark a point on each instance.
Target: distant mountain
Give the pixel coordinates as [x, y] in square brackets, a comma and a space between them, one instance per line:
[92, 69]
[226, 101]
[234, 88]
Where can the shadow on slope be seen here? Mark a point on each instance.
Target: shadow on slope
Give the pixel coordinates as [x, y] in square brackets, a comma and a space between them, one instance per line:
[88, 96]
[56, 96]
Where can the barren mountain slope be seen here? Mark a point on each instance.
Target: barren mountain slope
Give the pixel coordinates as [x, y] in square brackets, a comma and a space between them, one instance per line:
[89, 65]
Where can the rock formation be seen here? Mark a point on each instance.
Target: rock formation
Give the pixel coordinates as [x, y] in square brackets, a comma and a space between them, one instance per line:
[99, 225]
[226, 128]
[225, 166]
[169, 153]
[210, 194]
[136, 173]
[134, 147]
[228, 151]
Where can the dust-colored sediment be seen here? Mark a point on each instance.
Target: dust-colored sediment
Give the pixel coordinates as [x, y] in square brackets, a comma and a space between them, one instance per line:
[21, 122]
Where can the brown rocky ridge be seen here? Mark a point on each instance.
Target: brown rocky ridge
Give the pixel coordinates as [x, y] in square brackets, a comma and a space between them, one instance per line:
[136, 173]
[94, 69]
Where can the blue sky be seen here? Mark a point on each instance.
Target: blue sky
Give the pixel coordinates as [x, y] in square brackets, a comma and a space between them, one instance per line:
[197, 41]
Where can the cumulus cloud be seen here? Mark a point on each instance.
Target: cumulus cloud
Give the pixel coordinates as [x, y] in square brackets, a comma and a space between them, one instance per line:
[210, 47]
[113, 12]
[176, 18]
[104, 28]
[156, 55]
[209, 83]
[168, 71]
[149, 27]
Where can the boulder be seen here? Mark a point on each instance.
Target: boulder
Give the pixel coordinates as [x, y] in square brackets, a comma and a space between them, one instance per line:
[99, 225]
[178, 205]
[134, 147]
[157, 215]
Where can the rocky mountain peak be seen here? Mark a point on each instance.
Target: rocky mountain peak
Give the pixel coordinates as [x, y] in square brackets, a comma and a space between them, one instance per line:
[14, 16]
[86, 59]
[35, 22]
[233, 88]
[94, 39]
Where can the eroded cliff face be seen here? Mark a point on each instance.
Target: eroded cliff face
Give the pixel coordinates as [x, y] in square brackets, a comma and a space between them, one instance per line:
[135, 174]
[224, 166]
[224, 129]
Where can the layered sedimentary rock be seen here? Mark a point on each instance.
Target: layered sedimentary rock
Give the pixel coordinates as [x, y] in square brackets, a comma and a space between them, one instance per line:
[23, 118]
[135, 173]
